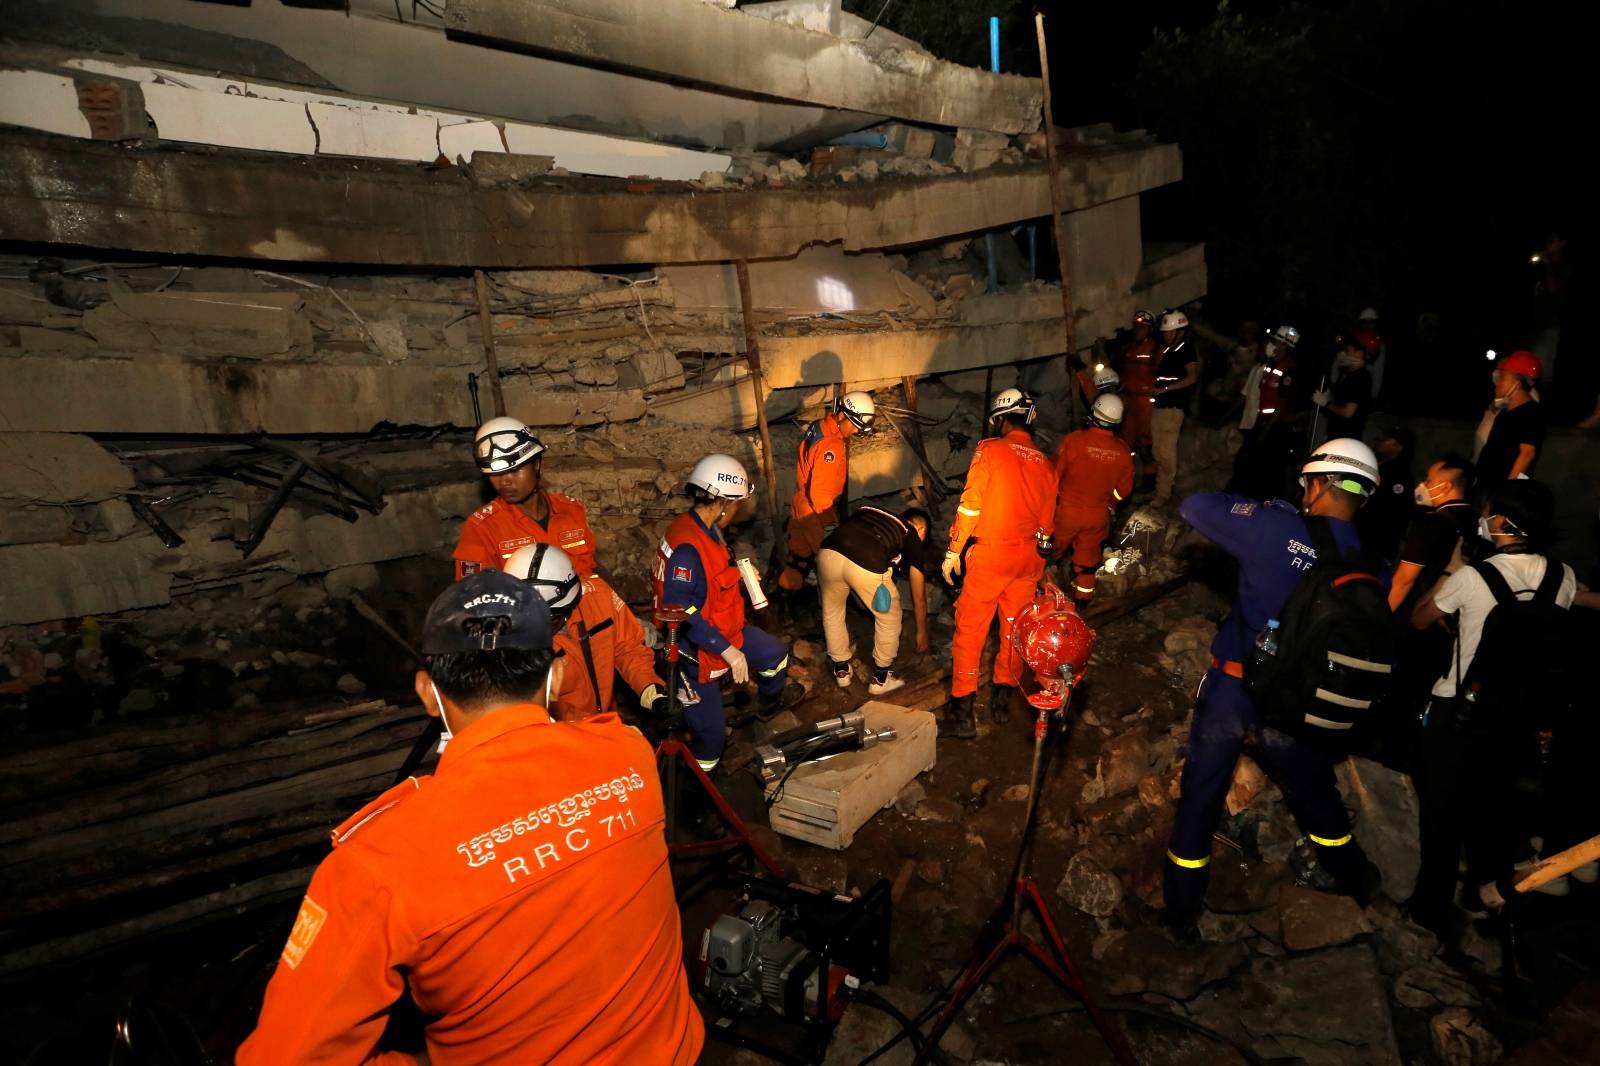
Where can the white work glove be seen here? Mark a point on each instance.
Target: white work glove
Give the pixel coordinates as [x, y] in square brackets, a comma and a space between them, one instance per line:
[951, 567]
[738, 665]
[1320, 398]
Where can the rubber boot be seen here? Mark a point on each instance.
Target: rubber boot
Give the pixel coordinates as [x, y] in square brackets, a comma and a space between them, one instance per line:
[1000, 702]
[960, 720]
[791, 693]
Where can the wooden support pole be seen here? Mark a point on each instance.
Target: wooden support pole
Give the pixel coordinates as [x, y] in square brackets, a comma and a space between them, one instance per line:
[486, 328]
[1058, 217]
[1560, 864]
[752, 354]
[922, 490]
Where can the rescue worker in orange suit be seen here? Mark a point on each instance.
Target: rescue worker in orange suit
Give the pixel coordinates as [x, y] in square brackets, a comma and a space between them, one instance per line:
[522, 512]
[999, 542]
[1095, 473]
[1139, 361]
[1096, 378]
[521, 894]
[695, 570]
[596, 638]
[819, 479]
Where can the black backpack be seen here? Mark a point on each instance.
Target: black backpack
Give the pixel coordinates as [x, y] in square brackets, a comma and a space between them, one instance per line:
[1336, 650]
[1523, 675]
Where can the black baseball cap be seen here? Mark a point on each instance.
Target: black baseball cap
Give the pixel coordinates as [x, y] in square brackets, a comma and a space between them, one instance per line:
[487, 594]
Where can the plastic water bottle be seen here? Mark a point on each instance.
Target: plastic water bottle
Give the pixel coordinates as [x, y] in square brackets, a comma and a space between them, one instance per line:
[1267, 642]
[1266, 645]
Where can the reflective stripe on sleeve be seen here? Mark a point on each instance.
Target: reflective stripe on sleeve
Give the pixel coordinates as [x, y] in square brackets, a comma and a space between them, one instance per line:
[1190, 864]
[969, 514]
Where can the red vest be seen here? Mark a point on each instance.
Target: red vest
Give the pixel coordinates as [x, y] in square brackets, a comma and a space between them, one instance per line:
[724, 605]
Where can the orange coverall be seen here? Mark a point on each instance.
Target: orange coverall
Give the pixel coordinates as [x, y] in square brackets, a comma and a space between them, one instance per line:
[615, 646]
[521, 893]
[493, 533]
[1095, 472]
[1139, 362]
[1009, 498]
[819, 478]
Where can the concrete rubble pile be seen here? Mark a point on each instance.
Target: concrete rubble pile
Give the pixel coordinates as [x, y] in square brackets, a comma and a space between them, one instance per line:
[1284, 969]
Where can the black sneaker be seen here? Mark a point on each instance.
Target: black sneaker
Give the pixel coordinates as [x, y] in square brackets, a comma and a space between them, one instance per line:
[959, 721]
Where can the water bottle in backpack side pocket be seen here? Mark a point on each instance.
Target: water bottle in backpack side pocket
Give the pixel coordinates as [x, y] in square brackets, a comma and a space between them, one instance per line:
[1266, 646]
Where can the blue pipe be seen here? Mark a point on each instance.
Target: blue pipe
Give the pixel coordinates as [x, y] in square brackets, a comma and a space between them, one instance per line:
[994, 65]
[864, 138]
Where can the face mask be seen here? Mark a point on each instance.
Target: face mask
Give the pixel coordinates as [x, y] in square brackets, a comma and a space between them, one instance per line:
[445, 736]
[1501, 402]
[1345, 361]
[1422, 496]
[1483, 530]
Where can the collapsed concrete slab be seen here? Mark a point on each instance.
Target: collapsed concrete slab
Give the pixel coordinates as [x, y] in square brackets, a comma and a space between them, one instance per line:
[694, 43]
[95, 195]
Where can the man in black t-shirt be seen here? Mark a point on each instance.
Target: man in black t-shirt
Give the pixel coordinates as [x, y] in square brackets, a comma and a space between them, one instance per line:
[1351, 399]
[1517, 432]
[864, 556]
[1441, 538]
[1383, 520]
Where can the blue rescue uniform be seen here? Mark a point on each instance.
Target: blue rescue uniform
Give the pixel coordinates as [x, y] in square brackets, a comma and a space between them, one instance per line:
[1273, 547]
[684, 585]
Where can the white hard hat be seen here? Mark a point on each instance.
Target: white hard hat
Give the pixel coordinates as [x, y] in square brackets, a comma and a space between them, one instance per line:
[1348, 457]
[1013, 402]
[721, 477]
[1174, 320]
[1106, 410]
[858, 408]
[1369, 314]
[549, 570]
[1287, 335]
[1106, 379]
[503, 444]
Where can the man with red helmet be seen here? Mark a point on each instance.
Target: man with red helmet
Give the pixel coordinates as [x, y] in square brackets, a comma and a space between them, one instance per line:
[1514, 427]
[1000, 539]
[1094, 473]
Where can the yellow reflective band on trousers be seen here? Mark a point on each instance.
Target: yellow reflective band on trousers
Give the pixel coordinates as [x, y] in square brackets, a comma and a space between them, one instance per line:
[1085, 591]
[708, 765]
[774, 671]
[1328, 842]
[1190, 864]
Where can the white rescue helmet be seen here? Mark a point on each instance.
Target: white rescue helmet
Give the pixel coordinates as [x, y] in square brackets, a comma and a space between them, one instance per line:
[549, 570]
[1369, 314]
[1288, 336]
[721, 477]
[1106, 379]
[1351, 464]
[858, 407]
[1013, 402]
[1106, 411]
[503, 444]
[1174, 320]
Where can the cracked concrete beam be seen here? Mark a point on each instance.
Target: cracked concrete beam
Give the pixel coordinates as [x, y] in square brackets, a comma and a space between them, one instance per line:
[692, 42]
[61, 191]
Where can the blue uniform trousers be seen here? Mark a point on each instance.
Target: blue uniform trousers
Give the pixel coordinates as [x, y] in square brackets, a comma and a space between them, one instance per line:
[1224, 718]
[769, 668]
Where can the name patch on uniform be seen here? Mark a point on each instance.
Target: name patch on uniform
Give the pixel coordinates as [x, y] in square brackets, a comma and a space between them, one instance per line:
[682, 573]
[470, 568]
[1243, 508]
[827, 457]
[307, 924]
